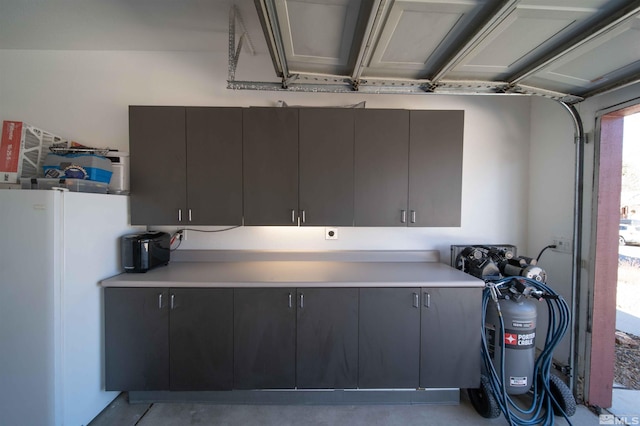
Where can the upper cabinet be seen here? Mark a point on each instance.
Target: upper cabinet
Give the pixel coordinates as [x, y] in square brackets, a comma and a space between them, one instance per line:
[158, 164]
[408, 167]
[435, 168]
[295, 166]
[381, 167]
[270, 162]
[214, 166]
[298, 166]
[326, 167]
[186, 165]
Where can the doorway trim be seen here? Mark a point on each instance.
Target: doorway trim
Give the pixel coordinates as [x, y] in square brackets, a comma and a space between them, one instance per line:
[601, 320]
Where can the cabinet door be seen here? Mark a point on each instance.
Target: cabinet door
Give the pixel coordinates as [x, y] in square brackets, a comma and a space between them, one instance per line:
[326, 167]
[214, 166]
[327, 343]
[270, 166]
[451, 327]
[435, 168]
[264, 338]
[201, 334]
[136, 339]
[158, 165]
[389, 340]
[381, 167]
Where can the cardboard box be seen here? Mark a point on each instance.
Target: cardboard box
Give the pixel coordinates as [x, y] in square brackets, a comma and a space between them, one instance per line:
[22, 150]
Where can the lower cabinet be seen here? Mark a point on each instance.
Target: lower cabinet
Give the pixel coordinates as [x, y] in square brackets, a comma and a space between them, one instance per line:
[168, 339]
[389, 338]
[305, 338]
[450, 337]
[264, 338]
[191, 339]
[427, 338]
[136, 338]
[327, 338]
[201, 339]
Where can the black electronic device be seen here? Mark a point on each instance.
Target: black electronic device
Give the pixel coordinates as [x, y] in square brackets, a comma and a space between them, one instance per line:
[144, 251]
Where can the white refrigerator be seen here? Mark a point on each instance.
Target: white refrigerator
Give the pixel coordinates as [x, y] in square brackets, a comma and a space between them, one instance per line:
[54, 249]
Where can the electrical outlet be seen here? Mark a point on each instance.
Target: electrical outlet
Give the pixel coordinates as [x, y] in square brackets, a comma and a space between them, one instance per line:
[330, 233]
[563, 244]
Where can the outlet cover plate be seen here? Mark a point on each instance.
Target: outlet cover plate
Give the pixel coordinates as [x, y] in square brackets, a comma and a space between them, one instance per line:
[330, 233]
[563, 244]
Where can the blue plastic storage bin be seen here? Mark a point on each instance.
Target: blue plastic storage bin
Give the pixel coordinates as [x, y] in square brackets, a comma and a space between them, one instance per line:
[78, 166]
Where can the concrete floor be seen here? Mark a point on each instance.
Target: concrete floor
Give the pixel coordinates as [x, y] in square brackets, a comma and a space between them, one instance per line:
[121, 413]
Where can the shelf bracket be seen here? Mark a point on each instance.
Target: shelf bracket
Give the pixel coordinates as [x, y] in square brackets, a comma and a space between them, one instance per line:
[234, 51]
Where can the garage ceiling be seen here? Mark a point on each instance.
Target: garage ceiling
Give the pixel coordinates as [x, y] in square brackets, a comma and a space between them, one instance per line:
[564, 49]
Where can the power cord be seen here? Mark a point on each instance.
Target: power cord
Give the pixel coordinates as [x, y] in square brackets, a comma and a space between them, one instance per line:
[551, 246]
[179, 234]
[213, 230]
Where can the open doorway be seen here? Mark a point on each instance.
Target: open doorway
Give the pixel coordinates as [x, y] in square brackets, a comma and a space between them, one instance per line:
[606, 261]
[627, 368]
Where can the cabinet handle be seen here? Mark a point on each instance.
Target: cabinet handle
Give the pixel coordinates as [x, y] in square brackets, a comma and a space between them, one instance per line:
[413, 216]
[293, 216]
[403, 216]
[160, 301]
[171, 301]
[179, 215]
[290, 300]
[304, 216]
[416, 300]
[427, 300]
[301, 300]
[189, 215]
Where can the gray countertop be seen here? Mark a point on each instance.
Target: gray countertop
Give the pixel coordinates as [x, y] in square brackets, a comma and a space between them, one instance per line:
[297, 273]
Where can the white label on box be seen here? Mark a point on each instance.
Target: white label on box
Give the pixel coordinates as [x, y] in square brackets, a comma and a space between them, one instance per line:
[518, 381]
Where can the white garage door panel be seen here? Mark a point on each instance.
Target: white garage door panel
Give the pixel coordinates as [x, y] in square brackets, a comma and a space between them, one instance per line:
[501, 52]
[416, 30]
[610, 56]
[317, 32]
[416, 36]
[565, 49]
